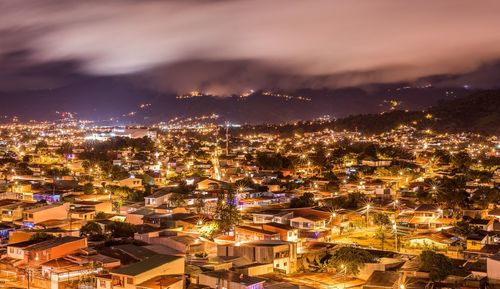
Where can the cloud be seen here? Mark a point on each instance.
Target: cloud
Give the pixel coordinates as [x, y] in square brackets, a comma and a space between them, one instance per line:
[332, 42]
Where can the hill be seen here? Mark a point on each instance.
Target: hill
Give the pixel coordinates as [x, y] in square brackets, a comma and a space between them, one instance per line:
[477, 113]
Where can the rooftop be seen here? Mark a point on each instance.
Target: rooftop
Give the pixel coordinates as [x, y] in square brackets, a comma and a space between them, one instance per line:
[150, 263]
[255, 230]
[234, 277]
[37, 245]
[383, 279]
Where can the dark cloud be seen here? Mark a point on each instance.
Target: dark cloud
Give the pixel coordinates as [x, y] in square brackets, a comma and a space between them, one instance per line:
[18, 73]
[234, 45]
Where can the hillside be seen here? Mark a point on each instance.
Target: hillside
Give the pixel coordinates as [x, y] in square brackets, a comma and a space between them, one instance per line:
[478, 112]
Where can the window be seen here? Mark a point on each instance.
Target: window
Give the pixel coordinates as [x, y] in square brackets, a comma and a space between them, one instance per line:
[130, 280]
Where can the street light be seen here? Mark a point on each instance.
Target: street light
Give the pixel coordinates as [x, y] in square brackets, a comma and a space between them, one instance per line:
[395, 228]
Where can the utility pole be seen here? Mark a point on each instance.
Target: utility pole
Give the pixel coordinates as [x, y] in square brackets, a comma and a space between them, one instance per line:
[28, 270]
[367, 211]
[227, 138]
[395, 227]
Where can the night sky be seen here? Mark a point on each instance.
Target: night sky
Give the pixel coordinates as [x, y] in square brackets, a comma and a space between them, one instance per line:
[108, 56]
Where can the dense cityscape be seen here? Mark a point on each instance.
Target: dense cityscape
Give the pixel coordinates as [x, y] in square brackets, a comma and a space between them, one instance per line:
[208, 205]
[236, 144]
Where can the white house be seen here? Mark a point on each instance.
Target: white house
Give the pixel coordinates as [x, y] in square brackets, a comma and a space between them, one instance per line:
[157, 199]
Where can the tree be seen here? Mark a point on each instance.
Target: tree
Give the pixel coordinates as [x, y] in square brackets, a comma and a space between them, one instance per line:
[272, 161]
[319, 157]
[122, 229]
[121, 193]
[88, 188]
[40, 145]
[438, 265]
[118, 173]
[100, 216]
[354, 201]
[461, 161]
[451, 194]
[380, 234]
[228, 213]
[65, 148]
[349, 260]
[176, 200]
[463, 228]
[199, 203]
[41, 236]
[306, 200]
[424, 197]
[483, 196]
[136, 195]
[86, 165]
[92, 230]
[209, 229]
[382, 220]
[55, 172]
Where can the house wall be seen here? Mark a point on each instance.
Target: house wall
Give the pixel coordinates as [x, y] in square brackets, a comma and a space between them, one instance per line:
[368, 269]
[283, 257]
[135, 219]
[155, 202]
[9, 215]
[102, 283]
[262, 219]
[303, 223]
[146, 237]
[257, 270]
[131, 183]
[53, 213]
[219, 283]
[58, 251]
[493, 270]
[106, 207]
[243, 235]
[16, 253]
[175, 267]
[19, 236]
[67, 248]
[475, 245]
[285, 235]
